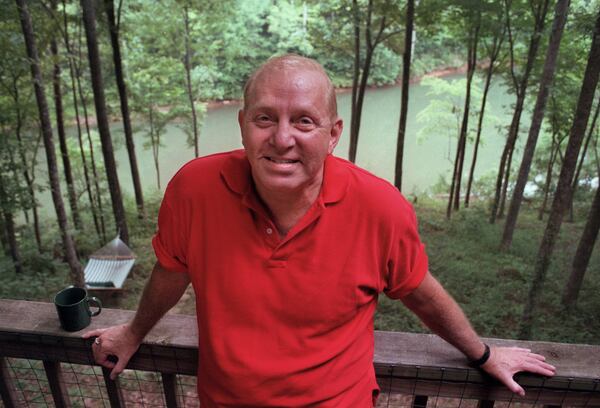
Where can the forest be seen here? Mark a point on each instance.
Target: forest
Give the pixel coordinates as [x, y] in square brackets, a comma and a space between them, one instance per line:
[517, 247]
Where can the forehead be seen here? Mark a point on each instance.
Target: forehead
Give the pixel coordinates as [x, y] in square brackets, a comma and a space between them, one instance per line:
[285, 87]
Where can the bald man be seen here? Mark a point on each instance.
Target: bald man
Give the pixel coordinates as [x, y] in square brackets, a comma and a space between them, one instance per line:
[287, 248]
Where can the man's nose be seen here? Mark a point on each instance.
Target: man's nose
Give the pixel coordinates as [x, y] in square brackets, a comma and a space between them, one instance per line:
[283, 137]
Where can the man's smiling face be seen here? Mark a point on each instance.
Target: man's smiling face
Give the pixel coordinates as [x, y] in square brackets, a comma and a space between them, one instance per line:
[288, 129]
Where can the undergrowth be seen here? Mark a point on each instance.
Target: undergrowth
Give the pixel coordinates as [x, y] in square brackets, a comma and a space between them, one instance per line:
[491, 286]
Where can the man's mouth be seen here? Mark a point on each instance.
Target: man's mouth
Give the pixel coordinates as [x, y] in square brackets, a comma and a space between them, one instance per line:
[281, 161]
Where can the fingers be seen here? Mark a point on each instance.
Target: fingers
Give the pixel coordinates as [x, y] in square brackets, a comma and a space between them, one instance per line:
[539, 367]
[516, 388]
[119, 367]
[504, 362]
[92, 333]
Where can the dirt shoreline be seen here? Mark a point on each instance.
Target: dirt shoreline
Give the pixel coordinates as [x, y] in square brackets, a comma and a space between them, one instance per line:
[438, 73]
[212, 105]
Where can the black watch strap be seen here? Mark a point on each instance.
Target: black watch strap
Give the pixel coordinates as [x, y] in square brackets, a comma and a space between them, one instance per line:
[483, 359]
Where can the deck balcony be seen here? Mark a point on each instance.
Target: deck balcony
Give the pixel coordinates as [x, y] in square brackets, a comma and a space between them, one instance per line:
[42, 365]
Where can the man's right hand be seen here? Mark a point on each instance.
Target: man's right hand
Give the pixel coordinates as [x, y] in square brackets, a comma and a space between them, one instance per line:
[118, 341]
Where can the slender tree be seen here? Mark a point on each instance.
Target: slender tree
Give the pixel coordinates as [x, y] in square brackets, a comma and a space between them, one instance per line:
[86, 176]
[493, 54]
[60, 128]
[187, 58]
[560, 18]
[95, 176]
[114, 26]
[473, 41]
[375, 34]
[406, 60]
[6, 210]
[582, 257]
[582, 158]
[36, 76]
[520, 86]
[554, 153]
[19, 103]
[89, 21]
[562, 195]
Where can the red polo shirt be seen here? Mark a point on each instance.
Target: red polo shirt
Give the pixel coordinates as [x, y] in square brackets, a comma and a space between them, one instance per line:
[287, 322]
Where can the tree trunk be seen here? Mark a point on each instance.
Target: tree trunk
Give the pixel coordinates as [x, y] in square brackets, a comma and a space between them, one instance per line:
[97, 189]
[155, 143]
[89, 21]
[553, 154]
[583, 254]
[29, 180]
[62, 139]
[562, 195]
[406, 60]
[96, 178]
[453, 182]
[560, 18]
[355, 80]
[36, 76]
[582, 159]
[86, 176]
[464, 127]
[3, 238]
[521, 91]
[364, 77]
[9, 229]
[188, 78]
[122, 87]
[488, 80]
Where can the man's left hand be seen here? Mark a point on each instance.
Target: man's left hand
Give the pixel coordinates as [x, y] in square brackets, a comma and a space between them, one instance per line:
[505, 362]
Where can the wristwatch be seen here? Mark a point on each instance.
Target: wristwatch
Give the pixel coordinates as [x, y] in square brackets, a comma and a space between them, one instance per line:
[481, 360]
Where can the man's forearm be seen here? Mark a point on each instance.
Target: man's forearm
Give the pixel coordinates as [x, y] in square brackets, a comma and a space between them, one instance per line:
[162, 291]
[436, 308]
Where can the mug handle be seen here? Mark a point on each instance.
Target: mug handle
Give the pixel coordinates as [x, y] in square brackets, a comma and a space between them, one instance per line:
[98, 305]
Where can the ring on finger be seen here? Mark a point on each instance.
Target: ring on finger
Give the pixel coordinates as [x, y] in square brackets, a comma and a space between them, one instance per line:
[97, 341]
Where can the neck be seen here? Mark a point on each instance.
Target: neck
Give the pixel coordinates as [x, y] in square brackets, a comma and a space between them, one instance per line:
[288, 207]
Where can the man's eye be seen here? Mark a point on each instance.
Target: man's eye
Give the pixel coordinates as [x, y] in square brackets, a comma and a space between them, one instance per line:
[306, 121]
[262, 119]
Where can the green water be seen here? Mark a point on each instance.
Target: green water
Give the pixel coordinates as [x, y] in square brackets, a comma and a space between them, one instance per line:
[425, 161]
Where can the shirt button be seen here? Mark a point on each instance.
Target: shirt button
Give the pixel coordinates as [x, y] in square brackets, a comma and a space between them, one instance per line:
[269, 231]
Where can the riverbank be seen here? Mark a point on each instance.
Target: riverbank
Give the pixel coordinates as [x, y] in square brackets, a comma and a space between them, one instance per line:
[438, 73]
[217, 104]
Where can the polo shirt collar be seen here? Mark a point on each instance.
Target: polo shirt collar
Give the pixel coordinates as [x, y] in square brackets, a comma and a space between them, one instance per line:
[238, 177]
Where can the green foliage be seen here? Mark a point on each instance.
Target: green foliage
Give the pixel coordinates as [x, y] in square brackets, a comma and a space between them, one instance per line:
[331, 28]
[443, 116]
[491, 286]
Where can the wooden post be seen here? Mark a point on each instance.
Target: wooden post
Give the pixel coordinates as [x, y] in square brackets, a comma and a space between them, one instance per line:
[57, 385]
[170, 387]
[115, 395]
[7, 390]
[420, 401]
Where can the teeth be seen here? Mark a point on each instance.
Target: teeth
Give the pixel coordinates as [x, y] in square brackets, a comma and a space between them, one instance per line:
[281, 161]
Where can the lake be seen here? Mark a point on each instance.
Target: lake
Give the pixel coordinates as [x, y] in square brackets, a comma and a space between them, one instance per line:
[425, 159]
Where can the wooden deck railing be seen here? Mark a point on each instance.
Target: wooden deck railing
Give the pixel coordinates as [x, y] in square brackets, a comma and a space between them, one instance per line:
[418, 365]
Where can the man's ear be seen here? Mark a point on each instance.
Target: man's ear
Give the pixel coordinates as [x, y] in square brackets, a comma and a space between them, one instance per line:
[241, 114]
[336, 133]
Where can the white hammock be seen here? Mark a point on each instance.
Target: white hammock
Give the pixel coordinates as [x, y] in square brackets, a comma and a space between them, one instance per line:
[109, 266]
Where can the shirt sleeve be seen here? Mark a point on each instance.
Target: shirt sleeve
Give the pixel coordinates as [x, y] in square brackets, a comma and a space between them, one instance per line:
[407, 262]
[170, 241]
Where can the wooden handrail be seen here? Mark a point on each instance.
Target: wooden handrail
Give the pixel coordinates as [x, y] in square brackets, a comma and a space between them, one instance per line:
[415, 364]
